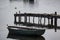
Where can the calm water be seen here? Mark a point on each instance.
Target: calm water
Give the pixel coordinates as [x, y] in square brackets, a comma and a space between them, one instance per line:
[7, 10]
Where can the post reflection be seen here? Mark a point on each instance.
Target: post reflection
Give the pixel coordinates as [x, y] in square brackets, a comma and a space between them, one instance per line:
[20, 37]
[25, 1]
[31, 1]
[15, 0]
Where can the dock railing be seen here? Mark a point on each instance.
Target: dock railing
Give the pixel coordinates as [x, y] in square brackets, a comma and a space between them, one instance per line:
[50, 18]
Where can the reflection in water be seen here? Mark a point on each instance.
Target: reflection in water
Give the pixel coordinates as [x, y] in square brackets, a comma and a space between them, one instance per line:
[31, 1]
[15, 0]
[26, 4]
[25, 37]
[25, 1]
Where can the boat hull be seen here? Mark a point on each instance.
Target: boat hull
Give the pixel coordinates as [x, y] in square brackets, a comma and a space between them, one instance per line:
[26, 31]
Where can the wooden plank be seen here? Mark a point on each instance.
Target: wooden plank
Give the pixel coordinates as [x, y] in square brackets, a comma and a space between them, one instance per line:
[39, 15]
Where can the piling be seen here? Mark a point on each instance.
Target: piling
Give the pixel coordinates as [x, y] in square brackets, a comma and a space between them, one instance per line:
[51, 21]
[15, 18]
[55, 23]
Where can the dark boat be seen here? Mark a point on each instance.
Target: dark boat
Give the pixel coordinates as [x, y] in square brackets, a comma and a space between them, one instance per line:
[25, 30]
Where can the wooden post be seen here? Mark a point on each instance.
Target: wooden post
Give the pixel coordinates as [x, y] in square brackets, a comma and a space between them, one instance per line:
[51, 21]
[44, 20]
[19, 12]
[25, 18]
[16, 12]
[49, 25]
[48, 21]
[33, 19]
[19, 17]
[14, 19]
[55, 23]
[38, 20]
[29, 19]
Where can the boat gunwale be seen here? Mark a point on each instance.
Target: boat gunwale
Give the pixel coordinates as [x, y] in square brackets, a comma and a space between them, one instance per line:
[29, 28]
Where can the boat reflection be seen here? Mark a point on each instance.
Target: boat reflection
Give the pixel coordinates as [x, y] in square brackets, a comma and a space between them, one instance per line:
[25, 37]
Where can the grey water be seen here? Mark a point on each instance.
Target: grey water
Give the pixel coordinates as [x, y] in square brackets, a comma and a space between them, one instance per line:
[9, 7]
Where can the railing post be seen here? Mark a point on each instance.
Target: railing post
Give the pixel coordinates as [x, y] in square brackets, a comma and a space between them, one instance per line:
[55, 23]
[44, 21]
[51, 21]
[38, 21]
[48, 21]
[25, 18]
[49, 25]
[19, 17]
[15, 18]
[29, 19]
[33, 19]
